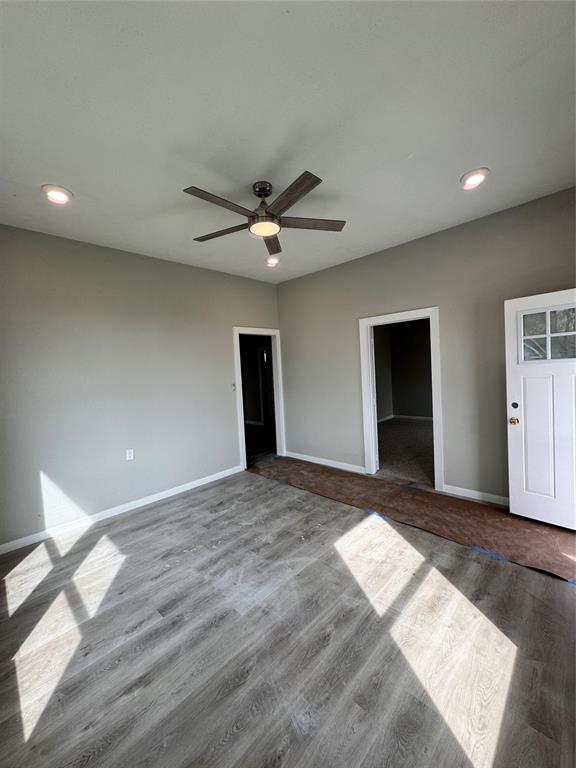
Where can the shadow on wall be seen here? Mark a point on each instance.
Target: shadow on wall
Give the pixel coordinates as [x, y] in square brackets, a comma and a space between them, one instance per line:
[196, 594]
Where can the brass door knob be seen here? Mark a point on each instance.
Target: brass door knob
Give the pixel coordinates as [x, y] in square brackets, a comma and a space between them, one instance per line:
[514, 420]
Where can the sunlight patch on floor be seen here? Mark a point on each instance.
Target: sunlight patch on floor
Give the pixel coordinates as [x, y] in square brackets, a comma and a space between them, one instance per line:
[462, 660]
[59, 509]
[381, 561]
[38, 671]
[23, 579]
[91, 579]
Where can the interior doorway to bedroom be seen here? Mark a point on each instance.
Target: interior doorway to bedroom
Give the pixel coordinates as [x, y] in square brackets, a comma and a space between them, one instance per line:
[258, 396]
[403, 376]
[259, 393]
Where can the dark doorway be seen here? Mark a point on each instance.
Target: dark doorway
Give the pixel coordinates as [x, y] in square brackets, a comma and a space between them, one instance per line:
[404, 402]
[258, 396]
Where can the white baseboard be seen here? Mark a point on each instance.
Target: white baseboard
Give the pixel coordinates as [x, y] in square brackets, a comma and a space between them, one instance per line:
[491, 498]
[89, 520]
[327, 462]
[414, 418]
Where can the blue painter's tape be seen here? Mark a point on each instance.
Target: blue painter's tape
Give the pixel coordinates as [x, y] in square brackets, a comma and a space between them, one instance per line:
[376, 514]
[571, 581]
[488, 553]
[281, 482]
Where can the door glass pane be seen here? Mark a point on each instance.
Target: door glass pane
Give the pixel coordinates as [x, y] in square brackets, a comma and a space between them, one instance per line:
[563, 320]
[562, 346]
[534, 324]
[535, 349]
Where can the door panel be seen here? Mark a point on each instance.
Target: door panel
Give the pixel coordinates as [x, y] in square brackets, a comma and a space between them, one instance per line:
[541, 392]
[538, 433]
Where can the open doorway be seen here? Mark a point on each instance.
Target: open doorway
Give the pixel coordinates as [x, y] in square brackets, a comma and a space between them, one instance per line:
[259, 395]
[401, 397]
[403, 374]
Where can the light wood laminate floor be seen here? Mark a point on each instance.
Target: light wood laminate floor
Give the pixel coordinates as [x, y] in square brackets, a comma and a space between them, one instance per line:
[249, 623]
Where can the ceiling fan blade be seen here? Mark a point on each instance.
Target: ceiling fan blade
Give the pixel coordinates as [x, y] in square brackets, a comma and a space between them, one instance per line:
[304, 183]
[273, 245]
[331, 225]
[203, 195]
[220, 233]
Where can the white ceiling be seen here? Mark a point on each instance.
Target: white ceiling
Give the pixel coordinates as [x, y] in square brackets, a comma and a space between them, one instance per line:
[127, 103]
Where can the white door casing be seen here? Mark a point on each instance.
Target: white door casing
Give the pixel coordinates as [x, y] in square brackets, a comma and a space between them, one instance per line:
[368, 376]
[542, 423]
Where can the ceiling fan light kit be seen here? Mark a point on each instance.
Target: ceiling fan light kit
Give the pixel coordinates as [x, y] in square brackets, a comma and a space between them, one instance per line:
[264, 226]
[266, 221]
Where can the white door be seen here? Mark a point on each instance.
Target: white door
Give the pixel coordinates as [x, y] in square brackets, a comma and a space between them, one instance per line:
[541, 407]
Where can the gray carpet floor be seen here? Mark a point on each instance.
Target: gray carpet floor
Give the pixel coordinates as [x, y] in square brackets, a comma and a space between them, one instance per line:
[406, 451]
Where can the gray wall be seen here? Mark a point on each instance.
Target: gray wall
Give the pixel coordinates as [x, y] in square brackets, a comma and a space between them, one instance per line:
[411, 368]
[102, 350]
[468, 272]
[383, 370]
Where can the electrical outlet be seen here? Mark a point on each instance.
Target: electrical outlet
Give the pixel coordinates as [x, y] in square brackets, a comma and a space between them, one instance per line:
[129, 454]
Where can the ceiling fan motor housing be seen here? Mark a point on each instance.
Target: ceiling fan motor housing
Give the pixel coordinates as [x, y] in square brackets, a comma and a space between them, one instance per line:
[262, 223]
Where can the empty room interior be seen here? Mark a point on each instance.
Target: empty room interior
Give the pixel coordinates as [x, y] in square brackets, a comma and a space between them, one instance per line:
[403, 372]
[287, 384]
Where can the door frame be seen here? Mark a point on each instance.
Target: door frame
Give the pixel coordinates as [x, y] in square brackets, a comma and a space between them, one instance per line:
[274, 333]
[368, 375]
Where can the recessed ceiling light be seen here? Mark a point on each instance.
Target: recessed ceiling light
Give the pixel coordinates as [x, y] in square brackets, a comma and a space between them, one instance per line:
[474, 178]
[272, 261]
[57, 195]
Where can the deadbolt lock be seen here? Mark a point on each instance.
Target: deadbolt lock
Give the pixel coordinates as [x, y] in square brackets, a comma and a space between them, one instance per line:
[514, 420]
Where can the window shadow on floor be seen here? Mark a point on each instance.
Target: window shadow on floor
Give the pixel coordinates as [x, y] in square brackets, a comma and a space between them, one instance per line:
[535, 612]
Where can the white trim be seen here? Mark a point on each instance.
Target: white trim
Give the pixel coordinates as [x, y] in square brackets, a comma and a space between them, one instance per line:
[415, 418]
[467, 493]
[274, 333]
[327, 462]
[49, 533]
[367, 370]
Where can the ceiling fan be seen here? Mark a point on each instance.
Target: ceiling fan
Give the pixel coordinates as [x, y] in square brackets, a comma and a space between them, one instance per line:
[267, 220]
